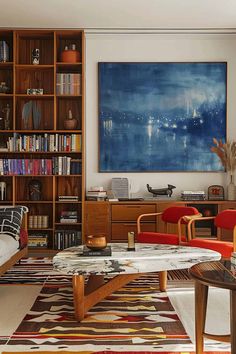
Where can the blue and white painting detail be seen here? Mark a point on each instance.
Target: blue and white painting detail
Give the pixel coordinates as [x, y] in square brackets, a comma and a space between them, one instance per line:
[161, 116]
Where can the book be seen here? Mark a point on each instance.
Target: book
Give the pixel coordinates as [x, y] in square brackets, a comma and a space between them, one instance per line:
[99, 253]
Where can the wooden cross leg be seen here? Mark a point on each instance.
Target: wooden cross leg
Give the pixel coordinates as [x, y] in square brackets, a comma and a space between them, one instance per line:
[86, 296]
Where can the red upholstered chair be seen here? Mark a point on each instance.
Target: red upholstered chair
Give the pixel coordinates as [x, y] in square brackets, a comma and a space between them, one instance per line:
[224, 220]
[171, 215]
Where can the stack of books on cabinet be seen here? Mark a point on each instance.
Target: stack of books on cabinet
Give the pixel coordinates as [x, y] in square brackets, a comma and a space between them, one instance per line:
[42, 129]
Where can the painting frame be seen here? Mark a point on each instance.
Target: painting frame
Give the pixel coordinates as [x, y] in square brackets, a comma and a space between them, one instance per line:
[211, 75]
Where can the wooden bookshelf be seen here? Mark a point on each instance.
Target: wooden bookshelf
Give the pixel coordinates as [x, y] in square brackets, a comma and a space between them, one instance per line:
[33, 118]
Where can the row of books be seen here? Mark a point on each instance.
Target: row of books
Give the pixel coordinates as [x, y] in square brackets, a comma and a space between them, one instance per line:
[38, 239]
[59, 165]
[68, 84]
[44, 143]
[67, 238]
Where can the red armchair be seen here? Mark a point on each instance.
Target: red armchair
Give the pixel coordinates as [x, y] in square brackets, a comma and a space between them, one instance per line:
[224, 220]
[171, 215]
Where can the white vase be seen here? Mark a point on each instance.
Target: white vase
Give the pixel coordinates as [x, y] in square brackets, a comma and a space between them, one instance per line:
[231, 189]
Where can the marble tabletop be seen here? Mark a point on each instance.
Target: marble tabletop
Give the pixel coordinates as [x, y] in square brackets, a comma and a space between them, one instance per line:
[146, 258]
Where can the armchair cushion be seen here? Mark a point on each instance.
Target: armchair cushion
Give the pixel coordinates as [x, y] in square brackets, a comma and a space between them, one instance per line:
[154, 237]
[224, 248]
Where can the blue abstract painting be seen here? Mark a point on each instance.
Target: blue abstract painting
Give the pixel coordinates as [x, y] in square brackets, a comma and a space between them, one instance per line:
[161, 116]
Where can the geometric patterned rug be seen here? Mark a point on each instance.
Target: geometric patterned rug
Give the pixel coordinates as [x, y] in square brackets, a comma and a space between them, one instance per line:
[135, 319]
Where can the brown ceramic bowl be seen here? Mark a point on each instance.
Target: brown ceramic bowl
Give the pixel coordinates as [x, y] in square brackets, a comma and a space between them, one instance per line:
[96, 242]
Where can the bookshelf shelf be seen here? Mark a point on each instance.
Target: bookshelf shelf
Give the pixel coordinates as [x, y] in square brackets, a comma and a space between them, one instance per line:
[41, 117]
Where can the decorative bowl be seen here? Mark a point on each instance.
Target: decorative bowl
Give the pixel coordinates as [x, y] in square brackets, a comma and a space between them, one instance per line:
[96, 242]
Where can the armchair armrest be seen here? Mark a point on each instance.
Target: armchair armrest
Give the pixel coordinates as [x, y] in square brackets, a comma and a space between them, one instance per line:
[191, 223]
[143, 216]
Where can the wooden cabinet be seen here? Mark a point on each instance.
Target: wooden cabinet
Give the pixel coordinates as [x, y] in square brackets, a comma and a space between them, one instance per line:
[124, 216]
[37, 144]
[116, 219]
[97, 219]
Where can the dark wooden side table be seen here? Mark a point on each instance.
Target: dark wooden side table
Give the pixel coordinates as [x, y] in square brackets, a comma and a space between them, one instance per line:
[220, 274]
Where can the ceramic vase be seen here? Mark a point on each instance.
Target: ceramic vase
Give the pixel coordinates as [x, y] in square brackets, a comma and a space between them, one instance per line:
[231, 189]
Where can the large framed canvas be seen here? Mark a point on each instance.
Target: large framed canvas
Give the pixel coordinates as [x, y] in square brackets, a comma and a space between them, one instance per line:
[161, 116]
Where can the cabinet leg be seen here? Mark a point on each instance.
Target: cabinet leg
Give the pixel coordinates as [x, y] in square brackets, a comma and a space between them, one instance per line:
[163, 280]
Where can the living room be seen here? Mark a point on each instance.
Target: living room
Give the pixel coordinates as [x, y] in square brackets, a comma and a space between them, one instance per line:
[153, 36]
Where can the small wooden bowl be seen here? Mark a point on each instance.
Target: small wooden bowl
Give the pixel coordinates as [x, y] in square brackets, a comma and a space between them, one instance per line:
[96, 242]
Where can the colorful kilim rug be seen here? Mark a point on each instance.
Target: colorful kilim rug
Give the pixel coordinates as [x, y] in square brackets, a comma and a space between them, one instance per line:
[135, 319]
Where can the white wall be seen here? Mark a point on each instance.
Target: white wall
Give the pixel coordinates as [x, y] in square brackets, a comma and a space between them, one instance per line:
[145, 48]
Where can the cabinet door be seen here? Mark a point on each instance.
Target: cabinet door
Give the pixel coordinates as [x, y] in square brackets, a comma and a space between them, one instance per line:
[130, 212]
[97, 219]
[120, 230]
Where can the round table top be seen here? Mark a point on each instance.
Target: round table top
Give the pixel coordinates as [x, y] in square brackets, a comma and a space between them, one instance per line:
[219, 274]
[146, 258]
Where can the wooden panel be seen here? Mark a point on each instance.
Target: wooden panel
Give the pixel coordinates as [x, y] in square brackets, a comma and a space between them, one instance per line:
[68, 186]
[97, 219]
[23, 191]
[46, 108]
[4, 102]
[35, 79]
[130, 212]
[28, 41]
[120, 230]
[65, 104]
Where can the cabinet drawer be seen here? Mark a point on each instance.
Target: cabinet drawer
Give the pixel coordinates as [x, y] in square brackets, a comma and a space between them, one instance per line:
[130, 212]
[120, 230]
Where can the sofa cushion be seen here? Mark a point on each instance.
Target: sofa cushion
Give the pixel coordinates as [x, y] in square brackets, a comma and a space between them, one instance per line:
[11, 219]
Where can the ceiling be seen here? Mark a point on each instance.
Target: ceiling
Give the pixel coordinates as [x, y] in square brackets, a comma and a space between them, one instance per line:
[119, 14]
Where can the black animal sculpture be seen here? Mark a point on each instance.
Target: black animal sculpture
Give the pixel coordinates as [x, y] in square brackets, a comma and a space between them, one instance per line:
[161, 191]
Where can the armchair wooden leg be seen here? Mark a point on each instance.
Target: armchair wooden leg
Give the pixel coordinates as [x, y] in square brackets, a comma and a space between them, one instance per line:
[163, 280]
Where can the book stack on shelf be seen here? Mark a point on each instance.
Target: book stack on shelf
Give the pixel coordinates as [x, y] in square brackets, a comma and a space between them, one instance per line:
[96, 195]
[67, 238]
[68, 198]
[193, 195]
[38, 239]
[68, 217]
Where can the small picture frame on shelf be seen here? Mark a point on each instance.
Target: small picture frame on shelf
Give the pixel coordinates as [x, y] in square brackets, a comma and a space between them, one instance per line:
[215, 192]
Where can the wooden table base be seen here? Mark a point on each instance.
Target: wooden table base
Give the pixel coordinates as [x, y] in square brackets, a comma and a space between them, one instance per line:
[87, 295]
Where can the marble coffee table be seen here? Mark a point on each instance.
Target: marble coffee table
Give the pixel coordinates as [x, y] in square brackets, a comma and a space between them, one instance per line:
[123, 266]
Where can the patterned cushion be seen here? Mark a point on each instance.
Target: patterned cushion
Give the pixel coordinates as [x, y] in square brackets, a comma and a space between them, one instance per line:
[11, 219]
